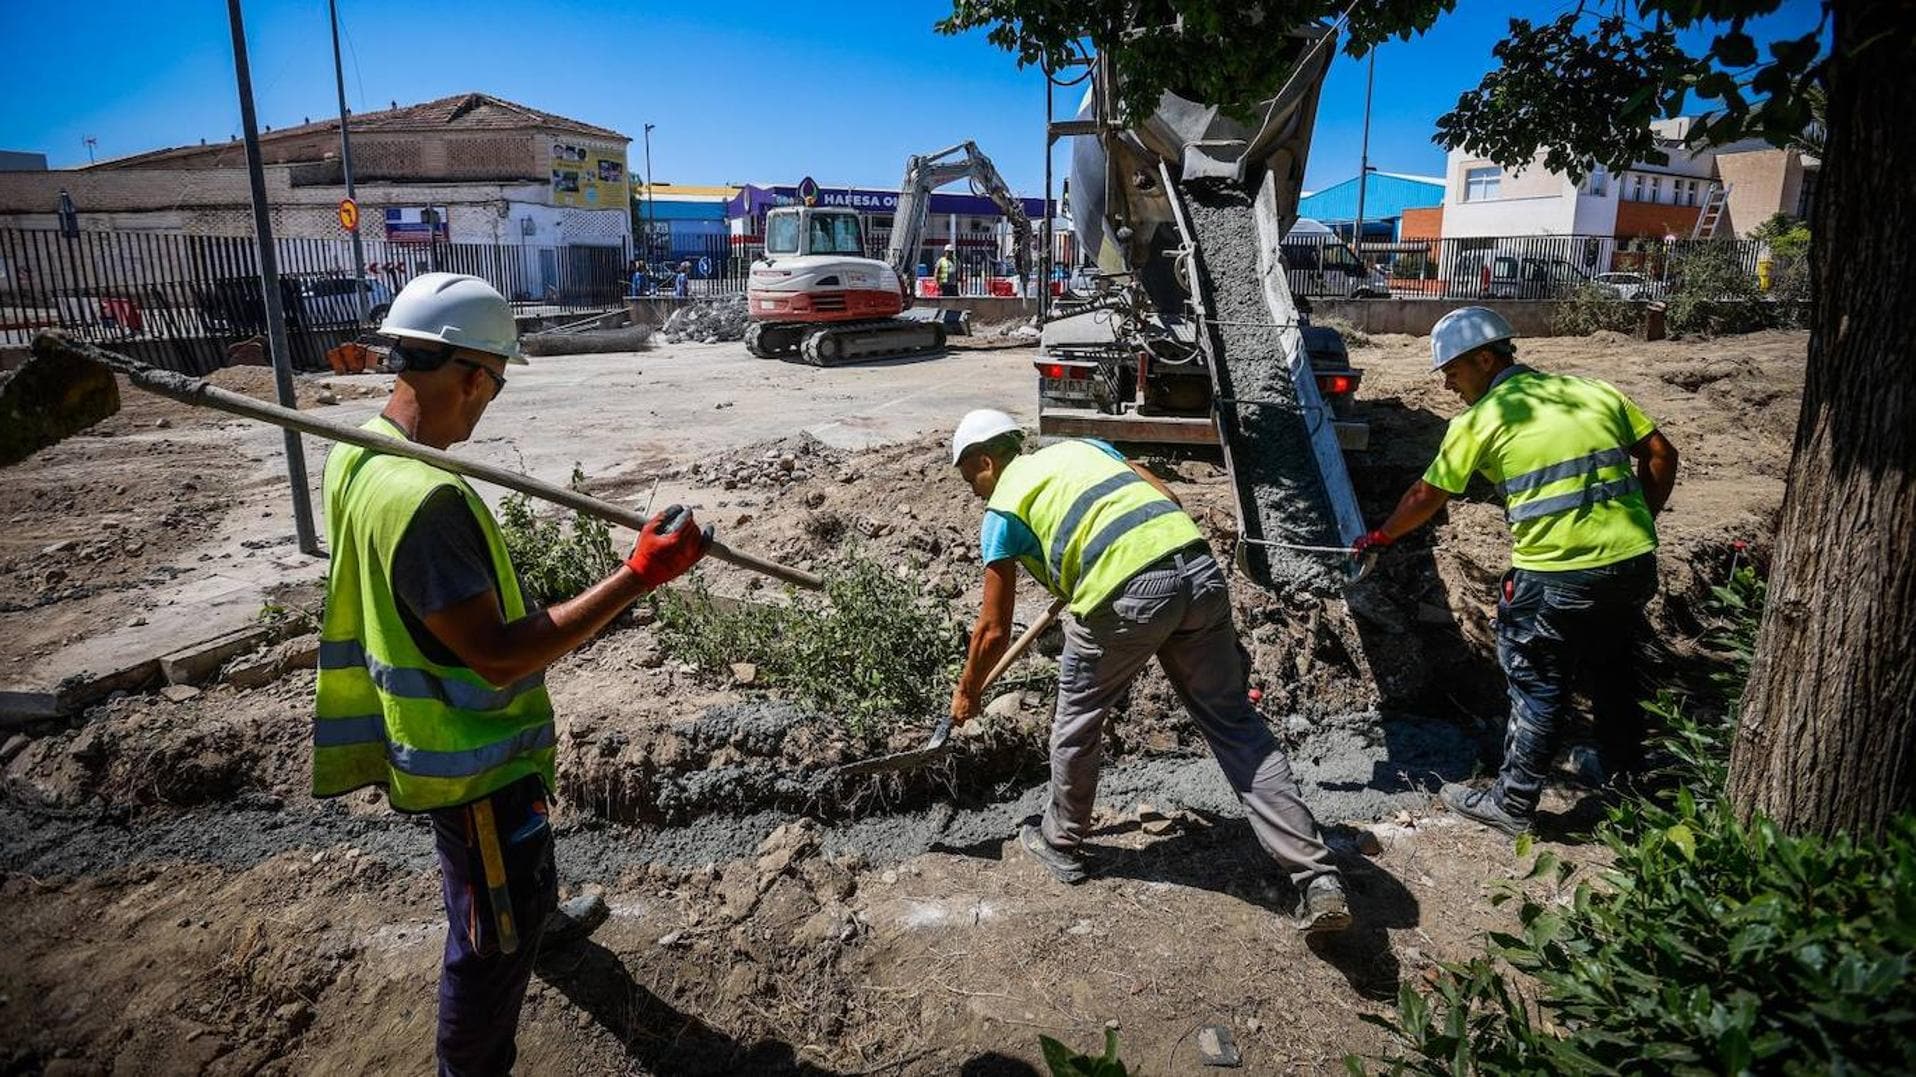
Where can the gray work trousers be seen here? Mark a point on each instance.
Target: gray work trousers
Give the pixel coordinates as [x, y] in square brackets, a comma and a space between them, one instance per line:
[1179, 610]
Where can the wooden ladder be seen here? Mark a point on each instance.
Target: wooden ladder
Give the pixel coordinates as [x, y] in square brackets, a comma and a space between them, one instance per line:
[1712, 215]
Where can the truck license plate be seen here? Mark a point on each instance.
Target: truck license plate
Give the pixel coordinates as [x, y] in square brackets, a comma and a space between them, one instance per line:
[1065, 388]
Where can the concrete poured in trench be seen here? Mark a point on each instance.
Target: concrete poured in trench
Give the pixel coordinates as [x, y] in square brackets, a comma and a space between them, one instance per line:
[1352, 768]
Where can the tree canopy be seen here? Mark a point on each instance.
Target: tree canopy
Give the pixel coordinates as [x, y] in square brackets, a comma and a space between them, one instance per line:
[1581, 88]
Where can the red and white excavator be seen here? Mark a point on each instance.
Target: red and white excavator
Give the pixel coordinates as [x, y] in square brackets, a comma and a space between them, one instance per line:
[816, 296]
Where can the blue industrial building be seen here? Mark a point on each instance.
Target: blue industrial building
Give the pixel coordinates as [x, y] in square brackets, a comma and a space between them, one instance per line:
[1386, 197]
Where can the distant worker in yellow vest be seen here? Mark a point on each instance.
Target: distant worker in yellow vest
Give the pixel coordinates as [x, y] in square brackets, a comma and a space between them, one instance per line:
[1583, 474]
[1109, 538]
[432, 665]
[946, 272]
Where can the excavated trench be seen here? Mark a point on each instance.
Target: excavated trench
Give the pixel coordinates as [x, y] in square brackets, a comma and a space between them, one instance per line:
[1353, 768]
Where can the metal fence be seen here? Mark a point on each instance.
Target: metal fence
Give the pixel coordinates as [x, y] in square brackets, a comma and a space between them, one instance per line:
[187, 301]
[1509, 267]
[719, 265]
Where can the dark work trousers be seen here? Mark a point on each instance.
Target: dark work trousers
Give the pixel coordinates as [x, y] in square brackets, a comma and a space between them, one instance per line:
[1554, 631]
[480, 988]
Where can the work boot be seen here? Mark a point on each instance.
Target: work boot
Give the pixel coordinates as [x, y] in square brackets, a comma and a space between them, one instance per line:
[1067, 866]
[575, 920]
[1323, 910]
[1481, 805]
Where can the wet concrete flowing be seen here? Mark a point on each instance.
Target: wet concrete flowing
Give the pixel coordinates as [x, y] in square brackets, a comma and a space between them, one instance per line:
[1279, 483]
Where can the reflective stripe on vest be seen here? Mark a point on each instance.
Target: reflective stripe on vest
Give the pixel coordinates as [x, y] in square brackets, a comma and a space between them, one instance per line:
[421, 683]
[370, 729]
[1588, 467]
[1097, 522]
[434, 735]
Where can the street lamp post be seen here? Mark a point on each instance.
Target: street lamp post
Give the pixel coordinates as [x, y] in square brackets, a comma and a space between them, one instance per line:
[649, 220]
[360, 299]
[269, 286]
[1363, 165]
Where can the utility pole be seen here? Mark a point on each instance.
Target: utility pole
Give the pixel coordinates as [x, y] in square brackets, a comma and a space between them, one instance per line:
[90, 143]
[649, 225]
[269, 286]
[1363, 164]
[360, 298]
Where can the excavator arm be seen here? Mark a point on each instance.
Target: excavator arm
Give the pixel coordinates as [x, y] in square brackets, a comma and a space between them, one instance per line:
[925, 174]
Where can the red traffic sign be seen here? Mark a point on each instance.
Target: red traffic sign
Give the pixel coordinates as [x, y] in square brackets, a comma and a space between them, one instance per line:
[349, 215]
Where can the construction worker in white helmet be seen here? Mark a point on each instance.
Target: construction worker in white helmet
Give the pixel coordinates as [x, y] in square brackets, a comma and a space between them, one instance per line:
[946, 271]
[1110, 538]
[432, 662]
[1583, 474]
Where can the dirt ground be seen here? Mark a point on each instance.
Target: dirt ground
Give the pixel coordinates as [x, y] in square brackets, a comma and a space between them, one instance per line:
[182, 904]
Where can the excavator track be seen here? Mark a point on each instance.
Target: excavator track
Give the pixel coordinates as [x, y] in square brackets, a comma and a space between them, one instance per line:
[769, 340]
[857, 342]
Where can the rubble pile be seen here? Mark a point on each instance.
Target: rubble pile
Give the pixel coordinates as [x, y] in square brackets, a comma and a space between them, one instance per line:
[708, 321]
[779, 464]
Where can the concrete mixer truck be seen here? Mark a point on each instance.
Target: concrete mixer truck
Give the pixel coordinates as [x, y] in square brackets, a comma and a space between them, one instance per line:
[1190, 334]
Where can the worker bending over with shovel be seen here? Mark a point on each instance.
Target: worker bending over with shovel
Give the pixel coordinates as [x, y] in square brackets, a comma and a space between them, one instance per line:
[1138, 580]
[432, 665]
[1583, 474]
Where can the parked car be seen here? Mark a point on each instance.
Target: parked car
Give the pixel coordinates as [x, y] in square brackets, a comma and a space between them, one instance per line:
[328, 301]
[1631, 286]
[1318, 262]
[1514, 276]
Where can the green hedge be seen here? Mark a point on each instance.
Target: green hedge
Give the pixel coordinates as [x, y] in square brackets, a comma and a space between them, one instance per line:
[1707, 946]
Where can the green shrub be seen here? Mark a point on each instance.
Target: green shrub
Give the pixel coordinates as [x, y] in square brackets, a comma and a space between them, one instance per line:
[876, 652]
[1707, 946]
[1062, 1061]
[1714, 293]
[1590, 309]
[1789, 243]
[555, 560]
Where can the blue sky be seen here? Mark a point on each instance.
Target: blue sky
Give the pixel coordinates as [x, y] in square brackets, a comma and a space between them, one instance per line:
[740, 91]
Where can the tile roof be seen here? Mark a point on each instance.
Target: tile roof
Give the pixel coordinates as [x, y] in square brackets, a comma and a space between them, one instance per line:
[460, 112]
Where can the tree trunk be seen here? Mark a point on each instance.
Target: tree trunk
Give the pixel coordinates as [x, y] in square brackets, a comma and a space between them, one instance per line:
[1827, 729]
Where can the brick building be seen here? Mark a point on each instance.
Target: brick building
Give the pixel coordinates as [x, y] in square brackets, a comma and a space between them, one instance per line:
[493, 171]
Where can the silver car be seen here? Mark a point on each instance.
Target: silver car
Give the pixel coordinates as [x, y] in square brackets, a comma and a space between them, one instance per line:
[328, 301]
[1631, 286]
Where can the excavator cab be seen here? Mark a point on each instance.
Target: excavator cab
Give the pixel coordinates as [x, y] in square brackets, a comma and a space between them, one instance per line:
[808, 230]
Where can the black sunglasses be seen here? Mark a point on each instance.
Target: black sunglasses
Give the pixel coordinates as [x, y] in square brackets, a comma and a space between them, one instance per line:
[498, 380]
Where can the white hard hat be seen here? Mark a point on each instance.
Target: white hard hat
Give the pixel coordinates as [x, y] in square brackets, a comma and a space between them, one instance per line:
[978, 427]
[456, 309]
[1466, 329]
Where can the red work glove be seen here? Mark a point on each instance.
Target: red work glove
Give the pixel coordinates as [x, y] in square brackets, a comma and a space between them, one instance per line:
[1370, 542]
[669, 544]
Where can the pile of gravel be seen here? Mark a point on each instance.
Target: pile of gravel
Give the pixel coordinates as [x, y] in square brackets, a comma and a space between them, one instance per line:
[708, 321]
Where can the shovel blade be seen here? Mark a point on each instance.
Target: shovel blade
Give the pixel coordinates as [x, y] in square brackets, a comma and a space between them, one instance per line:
[905, 760]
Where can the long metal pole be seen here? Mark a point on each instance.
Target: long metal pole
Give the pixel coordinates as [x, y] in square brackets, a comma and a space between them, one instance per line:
[650, 221]
[1363, 162]
[360, 298]
[269, 285]
[1044, 272]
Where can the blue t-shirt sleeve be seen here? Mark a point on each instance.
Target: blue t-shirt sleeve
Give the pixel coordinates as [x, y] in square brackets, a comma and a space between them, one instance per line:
[1002, 536]
[1105, 447]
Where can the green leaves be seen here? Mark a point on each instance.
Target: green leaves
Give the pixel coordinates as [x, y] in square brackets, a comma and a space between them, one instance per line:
[555, 561]
[877, 652]
[1061, 1061]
